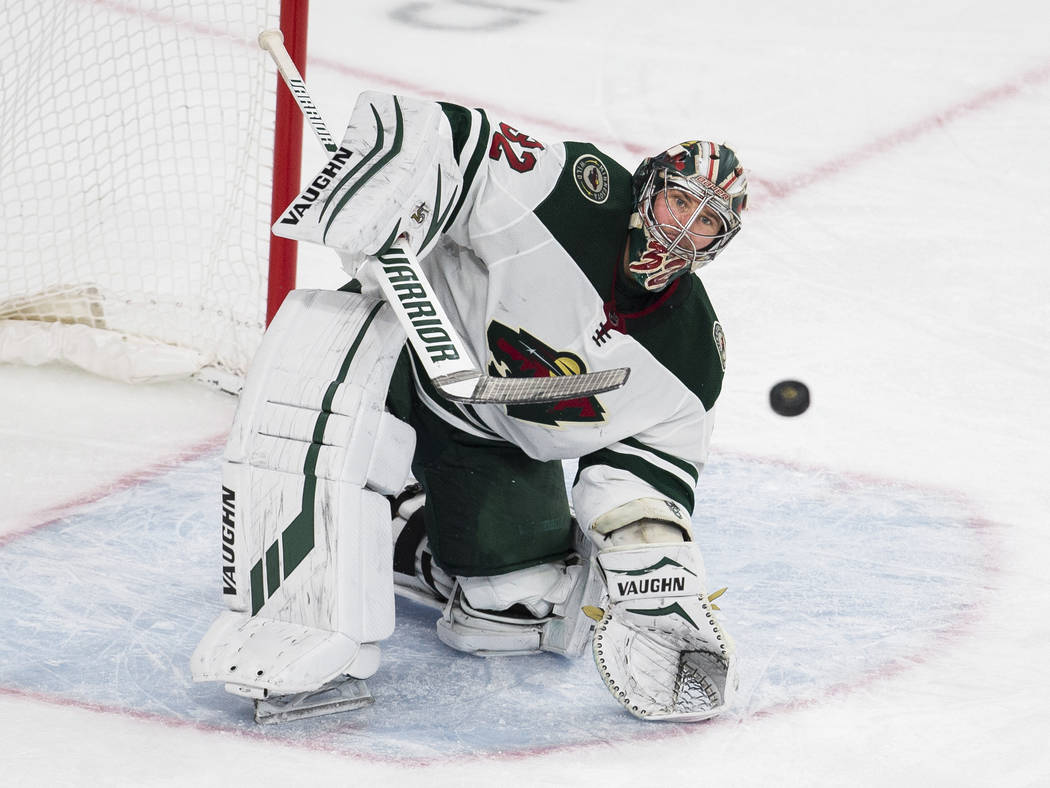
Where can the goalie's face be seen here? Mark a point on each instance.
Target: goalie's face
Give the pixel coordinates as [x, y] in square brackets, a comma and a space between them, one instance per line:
[678, 227]
[685, 223]
[688, 201]
[689, 224]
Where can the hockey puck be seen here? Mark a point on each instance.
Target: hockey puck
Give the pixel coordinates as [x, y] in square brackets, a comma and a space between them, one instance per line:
[789, 398]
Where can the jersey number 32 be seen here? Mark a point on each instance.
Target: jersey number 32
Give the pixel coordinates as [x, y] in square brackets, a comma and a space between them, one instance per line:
[504, 141]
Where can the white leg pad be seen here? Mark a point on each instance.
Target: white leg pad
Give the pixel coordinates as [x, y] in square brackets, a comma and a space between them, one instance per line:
[257, 657]
[307, 559]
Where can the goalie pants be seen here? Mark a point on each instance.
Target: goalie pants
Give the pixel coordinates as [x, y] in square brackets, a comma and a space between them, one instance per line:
[490, 508]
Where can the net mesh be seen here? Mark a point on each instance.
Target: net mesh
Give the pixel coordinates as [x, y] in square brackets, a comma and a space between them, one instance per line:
[136, 144]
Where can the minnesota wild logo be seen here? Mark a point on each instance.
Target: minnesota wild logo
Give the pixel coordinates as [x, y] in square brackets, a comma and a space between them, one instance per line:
[592, 178]
[518, 354]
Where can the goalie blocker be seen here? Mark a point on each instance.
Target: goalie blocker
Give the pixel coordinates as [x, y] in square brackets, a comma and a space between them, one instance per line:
[306, 551]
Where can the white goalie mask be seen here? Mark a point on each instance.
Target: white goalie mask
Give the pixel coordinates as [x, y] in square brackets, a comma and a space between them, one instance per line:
[688, 201]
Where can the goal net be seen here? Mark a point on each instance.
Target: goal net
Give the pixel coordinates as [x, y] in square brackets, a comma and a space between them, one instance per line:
[136, 158]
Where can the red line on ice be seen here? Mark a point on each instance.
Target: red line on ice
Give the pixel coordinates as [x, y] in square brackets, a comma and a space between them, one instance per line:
[769, 189]
[772, 190]
[939, 642]
[787, 187]
[888, 142]
[50, 514]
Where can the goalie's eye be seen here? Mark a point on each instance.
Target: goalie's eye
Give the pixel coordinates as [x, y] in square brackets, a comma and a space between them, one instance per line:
[682, 211]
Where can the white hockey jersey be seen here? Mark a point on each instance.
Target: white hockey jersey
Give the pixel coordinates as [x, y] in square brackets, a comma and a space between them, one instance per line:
[523, 242]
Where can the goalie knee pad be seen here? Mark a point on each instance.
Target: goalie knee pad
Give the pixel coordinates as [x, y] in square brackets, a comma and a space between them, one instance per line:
[527, 611]
[306, 549]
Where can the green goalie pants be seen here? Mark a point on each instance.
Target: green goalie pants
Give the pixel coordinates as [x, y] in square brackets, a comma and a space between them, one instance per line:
[490, 508]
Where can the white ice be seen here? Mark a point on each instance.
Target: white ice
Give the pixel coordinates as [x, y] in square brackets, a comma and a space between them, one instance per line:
[886, 553]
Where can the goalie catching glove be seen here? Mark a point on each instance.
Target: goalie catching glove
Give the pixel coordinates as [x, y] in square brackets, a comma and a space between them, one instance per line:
[658, 646]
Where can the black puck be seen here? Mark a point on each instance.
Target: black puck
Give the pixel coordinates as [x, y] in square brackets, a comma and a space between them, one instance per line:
[789, 398]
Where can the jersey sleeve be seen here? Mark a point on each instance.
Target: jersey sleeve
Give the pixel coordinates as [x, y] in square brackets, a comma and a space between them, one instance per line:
[664, 461]
[506, 174]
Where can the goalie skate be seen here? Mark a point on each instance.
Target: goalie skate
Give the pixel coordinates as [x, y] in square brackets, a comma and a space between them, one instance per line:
[344, 694]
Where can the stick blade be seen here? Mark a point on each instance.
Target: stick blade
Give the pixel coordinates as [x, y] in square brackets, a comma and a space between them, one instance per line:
[489, 390]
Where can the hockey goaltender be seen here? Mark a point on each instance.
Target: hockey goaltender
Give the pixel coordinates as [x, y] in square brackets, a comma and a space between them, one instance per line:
[351, 473]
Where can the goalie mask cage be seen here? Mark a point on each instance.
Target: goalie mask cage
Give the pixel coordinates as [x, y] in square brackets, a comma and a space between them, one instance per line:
[137, 173]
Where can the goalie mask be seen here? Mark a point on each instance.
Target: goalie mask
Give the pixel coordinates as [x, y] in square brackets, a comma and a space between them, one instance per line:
[688, 201]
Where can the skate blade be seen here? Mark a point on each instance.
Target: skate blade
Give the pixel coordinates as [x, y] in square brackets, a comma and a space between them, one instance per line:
[345, 696]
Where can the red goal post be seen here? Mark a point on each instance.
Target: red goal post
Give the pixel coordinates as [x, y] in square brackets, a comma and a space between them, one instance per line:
[287, 157]
[145, 148]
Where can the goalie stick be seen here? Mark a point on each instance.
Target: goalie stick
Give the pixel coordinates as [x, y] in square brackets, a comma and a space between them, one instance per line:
[437, 344]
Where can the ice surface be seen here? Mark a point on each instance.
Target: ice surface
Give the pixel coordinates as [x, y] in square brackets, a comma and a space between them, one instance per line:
[832, 582]
[885, 553]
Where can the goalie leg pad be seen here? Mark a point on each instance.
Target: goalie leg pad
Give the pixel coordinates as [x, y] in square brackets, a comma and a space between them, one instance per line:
[306, 526]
